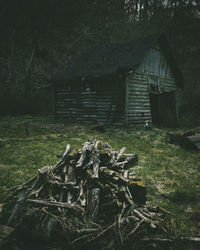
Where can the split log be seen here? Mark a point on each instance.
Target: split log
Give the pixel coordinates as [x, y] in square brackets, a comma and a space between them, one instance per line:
[119, 155]
[95, 204]
[136, 228]
[64, 157]
[57, 204]
[91, 185]
[17, 210]
[183, 240]
[87, 149]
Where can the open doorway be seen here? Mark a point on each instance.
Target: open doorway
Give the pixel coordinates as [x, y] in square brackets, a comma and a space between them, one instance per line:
[164, 109]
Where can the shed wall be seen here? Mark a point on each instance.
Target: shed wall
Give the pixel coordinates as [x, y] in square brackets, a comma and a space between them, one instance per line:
[138, 107]
[137, 99]
[101, 103]
[155, 62]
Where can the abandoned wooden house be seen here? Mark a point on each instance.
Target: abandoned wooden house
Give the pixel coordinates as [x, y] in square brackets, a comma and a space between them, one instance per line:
[124, 84]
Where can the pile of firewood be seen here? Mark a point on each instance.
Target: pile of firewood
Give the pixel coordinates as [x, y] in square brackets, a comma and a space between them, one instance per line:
[89, 193]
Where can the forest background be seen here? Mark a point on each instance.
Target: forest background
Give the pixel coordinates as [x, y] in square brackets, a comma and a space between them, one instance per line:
[40, 38]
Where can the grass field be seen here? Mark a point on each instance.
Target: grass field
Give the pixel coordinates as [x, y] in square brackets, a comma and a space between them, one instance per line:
[170, 173]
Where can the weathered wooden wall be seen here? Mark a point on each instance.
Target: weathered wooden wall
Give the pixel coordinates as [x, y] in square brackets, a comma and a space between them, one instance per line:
[117, 101]
[138, 108]
[155, 63]
[137, 99]
[102, 102]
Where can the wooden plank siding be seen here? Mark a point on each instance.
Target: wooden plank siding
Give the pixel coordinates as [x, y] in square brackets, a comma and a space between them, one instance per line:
[119, 98]
[102, 103]
[137, 99]
[155, 64]
[138, 108]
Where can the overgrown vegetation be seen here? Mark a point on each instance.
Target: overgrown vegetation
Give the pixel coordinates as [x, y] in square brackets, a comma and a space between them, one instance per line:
[170, 172]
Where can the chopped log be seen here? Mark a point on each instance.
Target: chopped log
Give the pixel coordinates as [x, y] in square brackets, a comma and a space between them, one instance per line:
[136, 228]
[134, 218]
[87, 148]
[131, 161]
[183, 240]
[126, 174]
[85, 188]
[139, 215]
[96, 169]
[81, 198]
[17, 210]
[186, 139]
[64, 185]
[57, 204]
[93, 204]
[119, 155]
[70, 177]
[64, 157]
[20, 188]
[89, 230]
[138, 191]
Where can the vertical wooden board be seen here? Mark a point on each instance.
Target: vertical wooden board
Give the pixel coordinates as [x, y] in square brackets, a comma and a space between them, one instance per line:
[167, 85]
[155, 62]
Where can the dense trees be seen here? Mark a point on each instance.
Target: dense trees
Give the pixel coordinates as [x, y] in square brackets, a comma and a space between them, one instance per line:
[40, 37]
[146, 10]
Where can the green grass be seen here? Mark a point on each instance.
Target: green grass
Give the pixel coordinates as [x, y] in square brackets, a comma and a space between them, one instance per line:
[170, 173]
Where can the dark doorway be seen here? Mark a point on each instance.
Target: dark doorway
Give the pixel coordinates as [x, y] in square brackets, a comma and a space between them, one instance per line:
[163, 108]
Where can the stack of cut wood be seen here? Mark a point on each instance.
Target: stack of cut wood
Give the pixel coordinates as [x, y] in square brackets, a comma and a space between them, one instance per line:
[187, 139]
[90, 192]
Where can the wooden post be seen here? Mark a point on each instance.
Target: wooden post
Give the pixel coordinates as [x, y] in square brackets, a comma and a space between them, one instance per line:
[126, 101]
[177, 105]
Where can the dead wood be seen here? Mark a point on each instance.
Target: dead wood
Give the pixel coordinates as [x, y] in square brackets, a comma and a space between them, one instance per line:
[136, 228]
[57, 204]
[89, 192]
